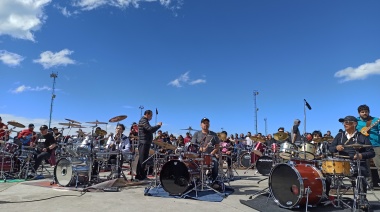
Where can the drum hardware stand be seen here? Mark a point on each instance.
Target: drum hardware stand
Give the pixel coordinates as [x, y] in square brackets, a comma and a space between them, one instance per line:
[155, 183]
[203, 183]
[253, 165]
[3, 175]
[27, 166]
[358, 190]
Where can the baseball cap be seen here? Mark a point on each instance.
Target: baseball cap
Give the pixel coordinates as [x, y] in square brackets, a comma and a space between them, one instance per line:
[205, 119]
[348, 118]
[31, 125]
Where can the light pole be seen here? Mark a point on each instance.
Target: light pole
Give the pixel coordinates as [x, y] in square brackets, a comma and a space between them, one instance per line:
[54, 76]
[255, 93]
[141, 108]
[266, 127]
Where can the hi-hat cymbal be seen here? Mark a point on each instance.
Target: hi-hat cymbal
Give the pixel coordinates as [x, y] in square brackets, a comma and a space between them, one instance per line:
[164, 145]
[258, 139]
[357, 146]
[78, 126]
[280, 136]
[101, 132]
[97, 122]
[118, 118]
[341, 156]
[70, 120]
[69, 124]
[16, 124]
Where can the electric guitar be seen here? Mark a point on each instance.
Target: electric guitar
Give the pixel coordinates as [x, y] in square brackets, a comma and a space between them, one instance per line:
[365, 130]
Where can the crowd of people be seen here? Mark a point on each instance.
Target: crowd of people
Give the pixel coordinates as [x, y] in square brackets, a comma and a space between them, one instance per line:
[363, 129]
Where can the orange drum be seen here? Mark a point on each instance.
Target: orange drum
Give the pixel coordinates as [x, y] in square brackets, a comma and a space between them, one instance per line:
[207, 159]
[292, 185]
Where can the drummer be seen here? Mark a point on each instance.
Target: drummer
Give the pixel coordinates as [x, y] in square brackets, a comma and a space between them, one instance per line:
[4, 134]
[119, 141]
[209, 143]
[352, 136]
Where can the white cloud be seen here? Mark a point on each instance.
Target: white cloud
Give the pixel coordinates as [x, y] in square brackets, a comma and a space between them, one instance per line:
[49, 59]
[9, 58]
[23, 88]
[185, 79]
[20, 18]
[198, 81]
[93, 4]
[359, 73]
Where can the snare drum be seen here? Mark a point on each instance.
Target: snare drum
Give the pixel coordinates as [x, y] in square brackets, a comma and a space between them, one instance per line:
[287, 150]
[336, 166]
[307, 150]
[259, 149]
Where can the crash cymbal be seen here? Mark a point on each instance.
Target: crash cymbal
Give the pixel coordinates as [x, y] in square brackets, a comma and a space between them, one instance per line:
[222, 136]
[101, 132]
[118, 118]
[190, 129]
[258, 139]
[357, 146]
[96, 122]
[77, 126]
[280, 136]
[16, 124]
[69, 124]
[321, 139]
[164, 145]
[70, 120]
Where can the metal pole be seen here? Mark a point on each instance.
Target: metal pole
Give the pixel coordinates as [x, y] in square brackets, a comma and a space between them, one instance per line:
[255, 93]
[304, 121]
[54, 76]
[266, 127]
[141, 108]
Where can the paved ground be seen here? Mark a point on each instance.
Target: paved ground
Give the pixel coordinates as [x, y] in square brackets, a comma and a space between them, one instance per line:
[22, 197]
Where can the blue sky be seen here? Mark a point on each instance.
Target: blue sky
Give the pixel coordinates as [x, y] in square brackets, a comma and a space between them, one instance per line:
[190, 59]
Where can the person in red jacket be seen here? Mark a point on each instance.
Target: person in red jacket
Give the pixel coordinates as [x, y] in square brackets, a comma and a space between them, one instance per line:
[27, 136]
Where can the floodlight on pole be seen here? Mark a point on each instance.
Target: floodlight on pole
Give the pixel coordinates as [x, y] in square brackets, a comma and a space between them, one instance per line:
[255, 93]
[54, 76]
[141, 108]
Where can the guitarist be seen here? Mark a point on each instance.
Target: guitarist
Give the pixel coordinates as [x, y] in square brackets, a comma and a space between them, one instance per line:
[44, 145]
[369, 126]
[27, 136]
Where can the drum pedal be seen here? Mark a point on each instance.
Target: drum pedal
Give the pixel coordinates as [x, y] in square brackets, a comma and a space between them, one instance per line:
[111, 189]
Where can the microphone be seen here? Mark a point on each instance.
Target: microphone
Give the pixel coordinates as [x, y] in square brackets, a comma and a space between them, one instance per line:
[307, 104]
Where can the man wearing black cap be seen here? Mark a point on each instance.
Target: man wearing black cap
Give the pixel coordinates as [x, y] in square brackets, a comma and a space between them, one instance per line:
[348, 137]
[209, 143]
[27, 136]
[45, 145]
[57, 135]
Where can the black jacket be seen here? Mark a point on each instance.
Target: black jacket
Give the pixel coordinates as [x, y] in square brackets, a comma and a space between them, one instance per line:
[341, 139]
[146, 131]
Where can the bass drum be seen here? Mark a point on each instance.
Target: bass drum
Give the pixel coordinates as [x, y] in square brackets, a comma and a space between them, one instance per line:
[247, 159]
[290, 185]
[176, 176]
[66, 173]
[264, 165]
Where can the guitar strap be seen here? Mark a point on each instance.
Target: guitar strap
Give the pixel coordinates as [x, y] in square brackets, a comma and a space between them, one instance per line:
[368, 123]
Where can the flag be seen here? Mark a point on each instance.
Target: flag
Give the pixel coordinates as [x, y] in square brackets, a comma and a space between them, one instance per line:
[307, 104]
[156, 111]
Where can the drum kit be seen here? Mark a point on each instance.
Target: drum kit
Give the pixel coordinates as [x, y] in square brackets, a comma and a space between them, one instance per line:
[9, 162]
[181, 170]
[299, 179]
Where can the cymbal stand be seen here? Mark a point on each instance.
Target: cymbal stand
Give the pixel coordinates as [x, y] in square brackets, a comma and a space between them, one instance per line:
[253, 165]
[155, 183]
[337, 182]
[358, 190]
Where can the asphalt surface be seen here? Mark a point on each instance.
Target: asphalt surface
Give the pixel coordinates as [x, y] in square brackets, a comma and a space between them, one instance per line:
[23, 197]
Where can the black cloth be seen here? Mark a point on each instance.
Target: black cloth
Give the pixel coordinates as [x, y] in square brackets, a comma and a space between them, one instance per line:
[145, 140]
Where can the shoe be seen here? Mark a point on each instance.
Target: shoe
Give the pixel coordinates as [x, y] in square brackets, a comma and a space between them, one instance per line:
[31, 176]
[366, 205]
